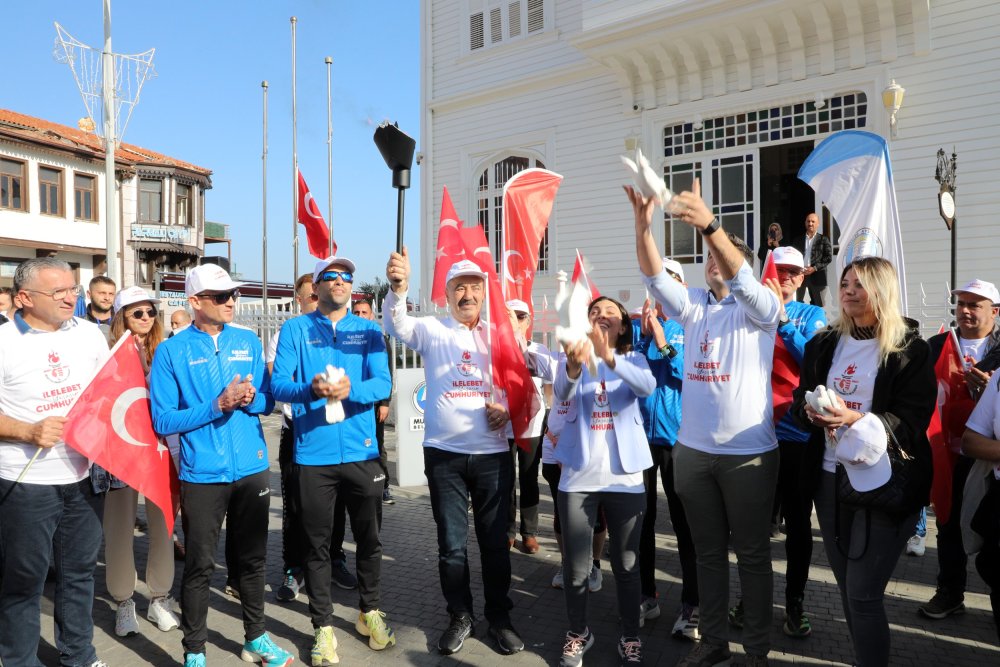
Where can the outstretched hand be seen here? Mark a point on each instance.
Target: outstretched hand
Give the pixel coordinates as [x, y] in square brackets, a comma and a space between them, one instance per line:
[692, 209]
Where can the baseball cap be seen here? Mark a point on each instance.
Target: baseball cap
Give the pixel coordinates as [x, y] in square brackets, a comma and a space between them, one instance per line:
[130, 295]
[862, 451]
[464, 267]
[518, 306]
[787, 256]
[673, 266]
[980, 288]
[208, 277]
[323, 264]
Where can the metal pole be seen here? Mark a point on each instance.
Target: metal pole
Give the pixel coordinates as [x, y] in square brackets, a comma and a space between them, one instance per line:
[295, 169]
[329, 150]
[110, 200]
[263, 192]
[399, 220]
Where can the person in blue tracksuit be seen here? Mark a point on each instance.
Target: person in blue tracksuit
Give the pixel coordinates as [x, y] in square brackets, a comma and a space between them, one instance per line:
[336, 459]
[209, 385]
[662, 343]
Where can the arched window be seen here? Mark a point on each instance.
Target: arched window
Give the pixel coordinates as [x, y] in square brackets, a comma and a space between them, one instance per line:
[489, 204]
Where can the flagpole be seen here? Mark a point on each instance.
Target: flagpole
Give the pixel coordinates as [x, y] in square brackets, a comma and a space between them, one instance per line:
[329, 149]
[263, 195]
[295, 170]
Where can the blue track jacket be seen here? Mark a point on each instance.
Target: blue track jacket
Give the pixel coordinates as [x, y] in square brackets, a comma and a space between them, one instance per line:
[661, 410]
[306, 345]
[189, 373]
[804, 321]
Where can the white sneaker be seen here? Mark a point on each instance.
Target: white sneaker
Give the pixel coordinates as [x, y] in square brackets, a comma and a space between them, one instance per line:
[557, 580]
[126, 623]
[915, 546]
[595, 580]
[686, 625]
[161, 614]
[98, 663]
[649, 608]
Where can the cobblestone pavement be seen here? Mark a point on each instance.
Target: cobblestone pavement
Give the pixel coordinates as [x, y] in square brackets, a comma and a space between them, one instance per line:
[412, 598]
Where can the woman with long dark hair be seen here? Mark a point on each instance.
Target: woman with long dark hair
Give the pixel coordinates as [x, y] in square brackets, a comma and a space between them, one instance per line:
[879, 370]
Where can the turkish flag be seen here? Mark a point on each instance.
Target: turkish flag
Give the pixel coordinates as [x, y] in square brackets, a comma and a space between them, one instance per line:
[528, 197]
[785, 370]
[954, 407]
[580, 276]
[450, 248]
[111, 425]
[317, 233]
[506, 359]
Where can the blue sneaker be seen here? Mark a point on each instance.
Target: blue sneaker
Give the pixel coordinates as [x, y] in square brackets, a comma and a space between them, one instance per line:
[266, 652]
[194, 660]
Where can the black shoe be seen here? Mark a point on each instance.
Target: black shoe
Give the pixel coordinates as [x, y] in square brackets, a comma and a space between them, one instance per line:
[454, 637]
[342, 577]
[387, 498]
[508, 641]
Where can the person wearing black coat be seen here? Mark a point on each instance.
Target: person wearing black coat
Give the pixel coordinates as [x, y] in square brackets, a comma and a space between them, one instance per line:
[818, 256]
[878, 367]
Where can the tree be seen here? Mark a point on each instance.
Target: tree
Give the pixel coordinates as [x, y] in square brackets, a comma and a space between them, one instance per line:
[376, 289]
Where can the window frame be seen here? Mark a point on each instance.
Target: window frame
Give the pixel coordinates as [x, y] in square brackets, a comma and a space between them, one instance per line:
[141, 211]
[21, 182]
[188, 208]
[497, 18]
[95, 203]
[59, 185]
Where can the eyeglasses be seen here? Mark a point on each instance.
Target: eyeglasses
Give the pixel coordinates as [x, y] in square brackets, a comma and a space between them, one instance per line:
[791, 271]
[60, 294]
[522, 316]
[221, 299]
[139, 312]
[330, 276]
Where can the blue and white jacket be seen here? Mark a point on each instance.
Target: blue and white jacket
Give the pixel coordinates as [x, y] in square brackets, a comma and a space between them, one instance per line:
[307, 344]
[190, 370]
[661, 410]
[804, 321]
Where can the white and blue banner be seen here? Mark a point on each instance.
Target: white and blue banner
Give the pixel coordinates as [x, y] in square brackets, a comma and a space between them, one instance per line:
[851, 173]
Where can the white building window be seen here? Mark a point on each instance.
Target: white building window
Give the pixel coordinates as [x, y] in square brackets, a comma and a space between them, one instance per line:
[150, 200]
[493, 22]
[489, 204]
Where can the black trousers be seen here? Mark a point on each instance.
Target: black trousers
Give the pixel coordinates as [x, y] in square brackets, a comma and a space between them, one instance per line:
[293, 539]
[359, 484]
[526, 462]
[815, 293]
[796, 507]
[383, 455]
[952, 560]
[245, 502]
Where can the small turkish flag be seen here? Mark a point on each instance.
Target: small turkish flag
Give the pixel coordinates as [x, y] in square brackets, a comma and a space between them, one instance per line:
[111, 425]
[317, 232]
[450, 248]
[785, 371]
[580, 276]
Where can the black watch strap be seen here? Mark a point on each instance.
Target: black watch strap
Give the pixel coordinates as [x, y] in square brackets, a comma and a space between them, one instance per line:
[712, 227]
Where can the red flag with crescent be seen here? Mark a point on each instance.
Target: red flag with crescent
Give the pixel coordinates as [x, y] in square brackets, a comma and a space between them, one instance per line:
[509, 371]
[580, 276]
[528, 197]
[317, 233]
[954, 406]
[785, 371]
[450, 248]
[111, 425]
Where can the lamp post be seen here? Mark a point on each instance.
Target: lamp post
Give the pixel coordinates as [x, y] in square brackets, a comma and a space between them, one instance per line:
[892, 100]
[397, 149]
[945, 175]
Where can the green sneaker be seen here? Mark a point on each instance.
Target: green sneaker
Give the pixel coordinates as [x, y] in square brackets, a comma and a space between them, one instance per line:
[796, 622]
[736, 615]
[324, 650]
[372, 625]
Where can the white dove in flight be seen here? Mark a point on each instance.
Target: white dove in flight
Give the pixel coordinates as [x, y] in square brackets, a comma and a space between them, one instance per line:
[574, 324]
[648, 182]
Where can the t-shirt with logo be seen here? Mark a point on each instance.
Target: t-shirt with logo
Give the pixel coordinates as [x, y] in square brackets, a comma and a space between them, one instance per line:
[852, 377]
[41, 375]
[972, 349]
[985, 418]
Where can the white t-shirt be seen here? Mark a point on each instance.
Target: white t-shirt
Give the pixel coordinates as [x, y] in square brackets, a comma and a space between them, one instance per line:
[972, 348]
[852, 377]
[985, 418]
[557, 418]
[457, 371]
[41, 375]
[535, 425]
[604, 471]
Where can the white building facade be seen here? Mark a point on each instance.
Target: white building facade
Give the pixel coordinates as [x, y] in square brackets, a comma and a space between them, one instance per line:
[731, 91]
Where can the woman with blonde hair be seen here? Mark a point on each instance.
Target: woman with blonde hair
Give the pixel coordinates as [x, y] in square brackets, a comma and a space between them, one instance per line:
[881, 378]
[135, 312]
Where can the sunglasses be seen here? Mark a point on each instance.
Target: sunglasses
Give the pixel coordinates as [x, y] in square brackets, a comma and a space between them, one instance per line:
[221, 299]
[522, 316]
[330, 276]
[139, 312]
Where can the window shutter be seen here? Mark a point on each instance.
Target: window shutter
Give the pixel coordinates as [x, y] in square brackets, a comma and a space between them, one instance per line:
[476, 31]
[496, 26]
[514, 18]
[536, 16]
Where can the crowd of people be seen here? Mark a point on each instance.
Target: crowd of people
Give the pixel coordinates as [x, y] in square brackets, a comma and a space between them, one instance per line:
[709, 393]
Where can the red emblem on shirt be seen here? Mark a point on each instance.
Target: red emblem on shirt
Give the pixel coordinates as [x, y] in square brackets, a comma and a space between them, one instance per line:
[846, 384]
[56, 372]
[466, 366]
[706, 346]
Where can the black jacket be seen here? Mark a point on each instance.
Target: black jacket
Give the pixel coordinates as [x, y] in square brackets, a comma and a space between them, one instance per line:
[820, 257]
[905, 395]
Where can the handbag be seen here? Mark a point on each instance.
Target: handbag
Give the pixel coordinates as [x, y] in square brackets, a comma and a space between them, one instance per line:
[891, 497]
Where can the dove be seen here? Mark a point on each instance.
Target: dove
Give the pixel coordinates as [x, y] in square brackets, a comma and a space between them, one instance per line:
[571, 307]
[821, 399]
[648, 182]
[334, 408]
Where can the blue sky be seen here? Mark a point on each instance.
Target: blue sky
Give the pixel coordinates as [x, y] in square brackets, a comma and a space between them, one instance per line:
[205, 106]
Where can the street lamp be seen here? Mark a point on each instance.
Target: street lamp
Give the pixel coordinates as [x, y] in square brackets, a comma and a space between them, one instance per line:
[397, 151]
[944, 174]
[892, 100]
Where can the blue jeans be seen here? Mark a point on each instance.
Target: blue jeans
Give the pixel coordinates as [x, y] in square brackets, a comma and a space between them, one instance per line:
[922, 523]
[452, 480]
[37, 520]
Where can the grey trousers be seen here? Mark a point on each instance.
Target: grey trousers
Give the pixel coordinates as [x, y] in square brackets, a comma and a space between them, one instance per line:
[578, 512]
[730, 497]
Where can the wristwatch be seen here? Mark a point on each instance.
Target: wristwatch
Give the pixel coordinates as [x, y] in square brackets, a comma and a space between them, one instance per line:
[712, 227]
[784, 320]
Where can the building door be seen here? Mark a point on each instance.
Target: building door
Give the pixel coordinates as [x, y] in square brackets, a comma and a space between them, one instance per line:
[784, 199]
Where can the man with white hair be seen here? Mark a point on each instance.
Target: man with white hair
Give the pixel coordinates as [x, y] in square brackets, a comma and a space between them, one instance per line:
[465, 452]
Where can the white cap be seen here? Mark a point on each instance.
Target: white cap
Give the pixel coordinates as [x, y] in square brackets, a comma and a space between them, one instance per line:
[130, 295]
[673, 266]
[208, 278]
[324, 264]
[787, 256]
[862, 450]
[464, 267]
[980, 288]
[518, 306]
